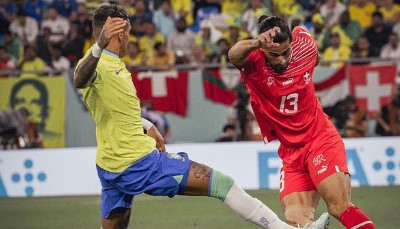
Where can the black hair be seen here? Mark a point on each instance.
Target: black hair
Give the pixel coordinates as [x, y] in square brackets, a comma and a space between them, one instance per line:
[266, 23]
[108, 10]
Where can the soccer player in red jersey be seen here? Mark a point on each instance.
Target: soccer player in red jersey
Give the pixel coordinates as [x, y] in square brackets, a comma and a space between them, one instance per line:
[277, 69]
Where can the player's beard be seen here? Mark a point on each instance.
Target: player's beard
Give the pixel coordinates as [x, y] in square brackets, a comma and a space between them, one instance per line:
[279, 68]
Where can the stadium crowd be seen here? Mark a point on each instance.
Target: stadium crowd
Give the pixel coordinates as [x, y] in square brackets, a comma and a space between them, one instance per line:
[41, 37]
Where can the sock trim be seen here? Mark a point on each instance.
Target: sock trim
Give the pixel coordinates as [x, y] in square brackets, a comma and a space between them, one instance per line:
[362, 224]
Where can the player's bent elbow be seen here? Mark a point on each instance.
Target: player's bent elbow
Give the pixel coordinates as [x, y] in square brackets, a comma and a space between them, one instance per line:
[237, 62]
[78, 83]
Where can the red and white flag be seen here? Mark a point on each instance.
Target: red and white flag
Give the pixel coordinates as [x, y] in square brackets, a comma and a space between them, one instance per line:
[331, 87]
[167, 90]
[372, 85]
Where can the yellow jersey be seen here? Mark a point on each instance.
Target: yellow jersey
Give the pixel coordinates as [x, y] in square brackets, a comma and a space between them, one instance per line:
[112, 101]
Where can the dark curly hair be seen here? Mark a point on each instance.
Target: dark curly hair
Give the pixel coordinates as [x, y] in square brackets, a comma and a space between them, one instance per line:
[266, 23]
[108, 10]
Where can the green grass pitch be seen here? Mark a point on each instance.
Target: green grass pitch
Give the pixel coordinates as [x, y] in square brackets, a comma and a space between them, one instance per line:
[382, 204]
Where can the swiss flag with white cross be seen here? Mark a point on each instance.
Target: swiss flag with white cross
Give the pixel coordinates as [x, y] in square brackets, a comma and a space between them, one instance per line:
[168, 90]
[372, 86]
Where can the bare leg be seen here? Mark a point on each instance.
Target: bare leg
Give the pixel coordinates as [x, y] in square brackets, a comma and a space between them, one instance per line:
[223, 187]
[119, 219]
[299, 207]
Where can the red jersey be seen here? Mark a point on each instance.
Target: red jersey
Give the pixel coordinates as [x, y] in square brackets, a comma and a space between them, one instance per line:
[285, 104]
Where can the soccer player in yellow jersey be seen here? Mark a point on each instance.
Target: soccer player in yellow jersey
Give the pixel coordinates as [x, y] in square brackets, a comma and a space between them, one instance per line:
[130, 162]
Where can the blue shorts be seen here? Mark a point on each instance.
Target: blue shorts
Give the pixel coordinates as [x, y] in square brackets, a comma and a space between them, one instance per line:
[157, 174]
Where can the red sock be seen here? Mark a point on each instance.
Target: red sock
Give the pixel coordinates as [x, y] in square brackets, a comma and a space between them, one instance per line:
[354, 218]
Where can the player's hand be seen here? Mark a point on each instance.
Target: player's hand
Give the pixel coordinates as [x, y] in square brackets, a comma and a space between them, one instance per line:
[111, 27]
[160, 144]
[266, 39]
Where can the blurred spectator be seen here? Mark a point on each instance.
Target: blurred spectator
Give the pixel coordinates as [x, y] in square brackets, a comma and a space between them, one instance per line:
[251, 15]
[157, 118]
[65, 7]
[7, 11]
[82, 19]
[234, 32]
[356, 124]
[7, 62]
[181, 42]
[331, 11]
[396, 25]
[233, 8]
[198, 57]
[349, 30]
[163, 58]
[392, 48]
[74, 45]
[363, 49]
[164, 18]
[348, 118]
[204, 9]
[389, 9]
[361, 11]
[13, 128]
[59, 26]
[388, 119]
[128, 5]
[88, 44]
[43, 45]
[26, 28]
[319, 32]
[133, 58]
[141, 12]
[35, 8]
[228, 134]
[141, 15]
[207, 38]
[222, 55]
[336, 54]
[287, 8]
[12, 44]
[378, 33]
[294, 21]
[59, 63]
[152, 36]
[31, 64]
[183, 9]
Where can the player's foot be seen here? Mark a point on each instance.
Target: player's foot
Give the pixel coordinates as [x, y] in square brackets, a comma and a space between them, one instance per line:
[321, 223]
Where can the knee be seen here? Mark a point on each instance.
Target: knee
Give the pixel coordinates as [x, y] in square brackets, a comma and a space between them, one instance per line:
[336, 208]
[220, 185]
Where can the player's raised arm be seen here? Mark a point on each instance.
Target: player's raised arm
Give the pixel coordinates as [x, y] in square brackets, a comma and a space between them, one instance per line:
[85, 72]
[239, 52]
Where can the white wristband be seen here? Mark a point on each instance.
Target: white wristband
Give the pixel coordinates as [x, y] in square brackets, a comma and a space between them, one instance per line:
[96, 50]
[146, 124]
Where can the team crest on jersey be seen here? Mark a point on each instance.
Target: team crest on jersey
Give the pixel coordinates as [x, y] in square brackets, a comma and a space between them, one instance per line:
[306, 77]
[271, 81]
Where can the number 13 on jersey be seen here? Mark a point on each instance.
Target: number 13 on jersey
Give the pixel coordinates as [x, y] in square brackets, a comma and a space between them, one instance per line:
[289, 103]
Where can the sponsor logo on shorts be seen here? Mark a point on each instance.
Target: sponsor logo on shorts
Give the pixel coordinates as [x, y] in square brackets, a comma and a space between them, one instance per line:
[323, 169]
[318, 159]
[176, 156]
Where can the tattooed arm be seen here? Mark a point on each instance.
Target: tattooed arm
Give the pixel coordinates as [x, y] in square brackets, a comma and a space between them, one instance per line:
[85, 72]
